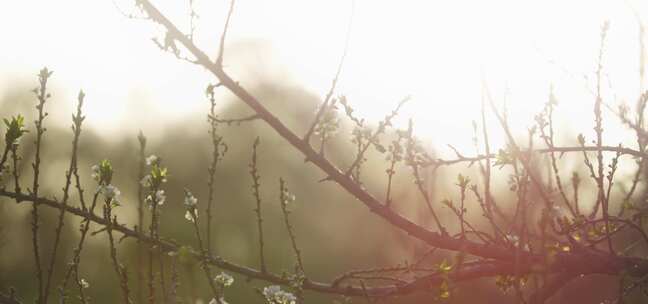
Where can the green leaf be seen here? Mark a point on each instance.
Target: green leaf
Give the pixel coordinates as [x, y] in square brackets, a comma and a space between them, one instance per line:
[503, 158]
[463, 181]
[15, 129]
[444, 267]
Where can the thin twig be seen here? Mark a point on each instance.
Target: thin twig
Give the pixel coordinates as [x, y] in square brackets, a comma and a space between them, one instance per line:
[141, 139]
[254, 172]
[76, 129]
[325, 104]
[42, 95]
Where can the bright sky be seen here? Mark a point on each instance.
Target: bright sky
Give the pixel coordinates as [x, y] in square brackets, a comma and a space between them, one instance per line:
[436, 51]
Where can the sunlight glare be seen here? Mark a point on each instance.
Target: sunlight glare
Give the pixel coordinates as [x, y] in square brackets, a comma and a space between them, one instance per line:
[440, 53]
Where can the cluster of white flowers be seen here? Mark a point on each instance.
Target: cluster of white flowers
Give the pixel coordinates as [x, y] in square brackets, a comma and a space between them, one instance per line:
[153, 181]
[160, 198]
[102, 174]
[224, 279]
[147, 180]
[274, 295]
[190, 203]
[110, 192]
[84, 283]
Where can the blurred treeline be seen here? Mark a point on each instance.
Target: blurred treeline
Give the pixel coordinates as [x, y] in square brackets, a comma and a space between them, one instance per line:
[335, 232]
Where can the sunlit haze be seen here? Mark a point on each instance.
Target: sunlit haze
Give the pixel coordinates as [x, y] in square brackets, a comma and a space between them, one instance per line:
[439, 52]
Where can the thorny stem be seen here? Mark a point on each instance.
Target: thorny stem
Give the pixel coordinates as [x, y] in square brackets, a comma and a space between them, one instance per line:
[16, 175]
[523, 158]
[218, 152]
[153, 233]
[291, 233]
[598, 128]
[549, 141]
[486, 172]
[4, 157]
[284, 201]
[231, 121]
[418, 181]
[119, 269]
[140, 215]
[221, 48]
[76, 129]
[327, 98]
[641, 143]
[370, 141]
[42, 95]
[85, 226]
[254, 172]
[395, 156]
[76, 259]
[204, 265]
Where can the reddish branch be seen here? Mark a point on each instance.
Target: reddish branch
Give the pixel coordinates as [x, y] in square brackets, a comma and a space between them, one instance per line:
[577, 262]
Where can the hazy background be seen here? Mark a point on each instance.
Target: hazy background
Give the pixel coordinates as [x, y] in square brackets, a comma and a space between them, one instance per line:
[286, 52]
[438, 52]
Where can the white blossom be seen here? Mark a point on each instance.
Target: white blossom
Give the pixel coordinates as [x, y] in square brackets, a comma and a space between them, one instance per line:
[274, 295]
[220, 301]
[160, 197]
[516, 241]
[146, 181]
[190, 201]
[224, 279]
[513, 239]
[152, 159]
[96, 174]
[288, 197]
[84, 283]
[189, 217]
[110, 192]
